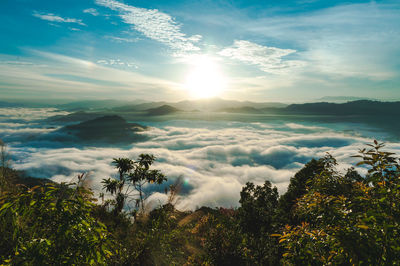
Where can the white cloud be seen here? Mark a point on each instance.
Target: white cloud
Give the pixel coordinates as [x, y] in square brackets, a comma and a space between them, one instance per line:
[91, 11]
[121, 39]
[268, 59]
[216, 159]
[66, 76]
[348, 40]
[155, 25]
[55, 18]
[117, 63]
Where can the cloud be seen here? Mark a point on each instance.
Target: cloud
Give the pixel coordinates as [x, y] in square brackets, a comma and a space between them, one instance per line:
[348, 40]
[121, 39]
[215, 159]
[54, 18]
[116, 62]
[155, 25]
[66, 76]
[268, 59]
[91, 11]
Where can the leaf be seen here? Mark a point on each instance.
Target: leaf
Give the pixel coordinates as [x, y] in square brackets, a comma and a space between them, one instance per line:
[5, 206]
[362, 226]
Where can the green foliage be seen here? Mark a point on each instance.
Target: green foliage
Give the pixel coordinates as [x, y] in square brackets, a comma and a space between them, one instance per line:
[325, 218]
[222, 239]
[51, 225]
[297, 188]
[133, 176]
[348, 220]
[258, 219]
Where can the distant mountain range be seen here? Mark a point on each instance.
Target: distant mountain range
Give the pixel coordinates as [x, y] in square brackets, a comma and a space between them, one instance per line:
[75, 117]
[207, 105]
[95, 104]
[87, 110]
[342, 99]
[162, 110]
[361, 107]
[242, 110]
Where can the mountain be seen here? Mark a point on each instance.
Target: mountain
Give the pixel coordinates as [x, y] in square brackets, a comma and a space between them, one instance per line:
[342, 99]
[361, 107]
[162, 110]
[75, 117]
[205, 105]
[133, 107]
[95, 104]
[216, 104]
[241, 110]
[105, 129]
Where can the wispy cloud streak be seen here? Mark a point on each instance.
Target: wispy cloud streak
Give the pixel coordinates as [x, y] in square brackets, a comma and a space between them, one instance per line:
[268, 59]
[91, 11]
[155, 25]
[55, 18]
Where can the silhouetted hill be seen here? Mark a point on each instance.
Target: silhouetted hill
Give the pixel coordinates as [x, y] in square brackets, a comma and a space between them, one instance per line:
[342, 99]
[162, 110]
[134, 107]
[362, 107]
[244, 109]
[21, 178]
[108, 129]
[75, 117]
[208, 105]
[216, 104]
[94, 104]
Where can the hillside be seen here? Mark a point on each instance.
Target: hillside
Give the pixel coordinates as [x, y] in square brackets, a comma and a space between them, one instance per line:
[75, 117]
[162, 110]
[361, 107]
[108, 129]
[241, 110]
[205, 105]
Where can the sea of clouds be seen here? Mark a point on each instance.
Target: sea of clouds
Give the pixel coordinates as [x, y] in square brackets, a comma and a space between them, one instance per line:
[214, 158]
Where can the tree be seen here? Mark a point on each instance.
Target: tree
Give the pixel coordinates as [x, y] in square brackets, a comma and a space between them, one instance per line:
[52, 225]
[296, 189]
[133, 176]
[257, 217]
[348, 220]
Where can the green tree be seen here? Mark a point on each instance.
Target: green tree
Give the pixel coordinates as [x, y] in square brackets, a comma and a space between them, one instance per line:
[296, 189]
[223, 240]
[52, 225]
[133, 176]
[257, 217]
[348, 220]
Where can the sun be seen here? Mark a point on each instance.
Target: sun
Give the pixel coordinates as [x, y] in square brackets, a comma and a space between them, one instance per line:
[205, 79]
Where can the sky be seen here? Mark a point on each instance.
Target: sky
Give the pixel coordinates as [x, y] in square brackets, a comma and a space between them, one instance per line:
[287, 51]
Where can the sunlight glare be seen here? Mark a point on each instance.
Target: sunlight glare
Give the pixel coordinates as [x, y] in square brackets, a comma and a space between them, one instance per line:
[205, 80]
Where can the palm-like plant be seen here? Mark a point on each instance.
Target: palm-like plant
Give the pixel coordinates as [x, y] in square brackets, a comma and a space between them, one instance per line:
[133, 176]
[114, 186]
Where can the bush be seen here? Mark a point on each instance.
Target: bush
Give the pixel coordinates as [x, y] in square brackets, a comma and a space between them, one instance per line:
[52, 225]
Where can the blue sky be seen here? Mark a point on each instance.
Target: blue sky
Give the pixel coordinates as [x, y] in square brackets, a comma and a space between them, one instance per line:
[156, 50]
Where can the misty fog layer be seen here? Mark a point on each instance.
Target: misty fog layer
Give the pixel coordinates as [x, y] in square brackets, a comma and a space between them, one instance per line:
[215, 158]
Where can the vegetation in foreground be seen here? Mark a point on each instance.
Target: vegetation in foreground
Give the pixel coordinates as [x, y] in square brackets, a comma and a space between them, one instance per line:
[324, 218]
